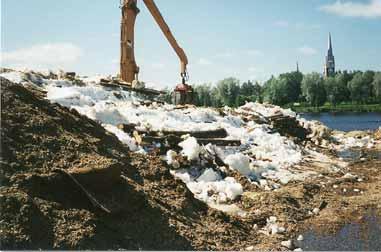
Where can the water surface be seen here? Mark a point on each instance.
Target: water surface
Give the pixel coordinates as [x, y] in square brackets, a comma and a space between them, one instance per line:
[364, 234]
[347, 121]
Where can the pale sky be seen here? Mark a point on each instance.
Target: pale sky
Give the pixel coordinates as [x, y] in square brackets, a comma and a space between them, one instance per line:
[246, 39]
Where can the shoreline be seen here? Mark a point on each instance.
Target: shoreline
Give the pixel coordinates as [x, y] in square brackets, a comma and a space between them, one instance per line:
[354, 108]
[339, 199]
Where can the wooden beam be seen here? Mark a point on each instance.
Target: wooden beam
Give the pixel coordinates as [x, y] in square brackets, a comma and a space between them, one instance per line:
[173, 141]
[127, 87]
[216, 133]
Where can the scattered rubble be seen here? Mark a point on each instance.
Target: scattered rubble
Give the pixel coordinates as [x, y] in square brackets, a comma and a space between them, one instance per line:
[106, 144]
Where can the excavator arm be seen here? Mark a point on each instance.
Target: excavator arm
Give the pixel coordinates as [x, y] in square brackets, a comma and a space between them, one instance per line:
[128, 68]
[151, 6]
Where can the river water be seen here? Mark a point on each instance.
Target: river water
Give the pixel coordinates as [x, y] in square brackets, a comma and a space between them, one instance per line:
[347, 121]
[360, 235]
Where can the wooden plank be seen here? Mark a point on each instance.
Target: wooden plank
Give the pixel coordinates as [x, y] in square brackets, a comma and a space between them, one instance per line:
[127, 87]
[216, 133]
[173, 140]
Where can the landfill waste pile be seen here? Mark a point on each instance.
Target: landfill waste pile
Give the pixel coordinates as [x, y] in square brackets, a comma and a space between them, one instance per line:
[93, 166]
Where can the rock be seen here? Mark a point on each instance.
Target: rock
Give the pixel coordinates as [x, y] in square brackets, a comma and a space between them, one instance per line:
[288, 244]
[138, 84]
[316, 210]
[70, 75]
[250, 199]
[300, 238]
[66, 75]
[377, 134]
[323, 205]
[356, 134]
[263, 182]
[298, 249]
[250, 248]
[349, 177]
[281, 230]
[172, 159]
[274, 229]
[271, 219]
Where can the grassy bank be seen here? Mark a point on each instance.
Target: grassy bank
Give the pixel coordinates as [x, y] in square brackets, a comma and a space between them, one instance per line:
[338, 108]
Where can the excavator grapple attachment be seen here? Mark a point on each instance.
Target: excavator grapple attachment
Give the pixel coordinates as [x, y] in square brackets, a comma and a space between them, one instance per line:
[183, 94]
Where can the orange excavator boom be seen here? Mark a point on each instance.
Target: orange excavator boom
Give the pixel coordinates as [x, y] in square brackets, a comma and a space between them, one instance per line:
[151, 6]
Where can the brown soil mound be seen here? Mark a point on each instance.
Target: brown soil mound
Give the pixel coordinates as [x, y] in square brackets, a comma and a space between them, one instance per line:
[41, 208]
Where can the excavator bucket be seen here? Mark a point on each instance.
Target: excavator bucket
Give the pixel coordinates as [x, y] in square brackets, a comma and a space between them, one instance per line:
[183, 94]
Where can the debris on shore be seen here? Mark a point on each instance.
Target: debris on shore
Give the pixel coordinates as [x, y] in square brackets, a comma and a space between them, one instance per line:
[68, 135]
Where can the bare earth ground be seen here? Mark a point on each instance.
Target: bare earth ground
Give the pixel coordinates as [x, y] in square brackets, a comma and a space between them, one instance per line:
[42, 208]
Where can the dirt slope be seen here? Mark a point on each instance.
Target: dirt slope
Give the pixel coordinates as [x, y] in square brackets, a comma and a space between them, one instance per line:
[43, 209]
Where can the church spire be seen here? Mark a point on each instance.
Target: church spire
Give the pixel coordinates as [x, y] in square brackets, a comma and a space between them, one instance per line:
[297, 66]
[329, 67]
[330, 50]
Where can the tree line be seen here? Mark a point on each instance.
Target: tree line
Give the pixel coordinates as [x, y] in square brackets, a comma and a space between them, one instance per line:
[311, 89]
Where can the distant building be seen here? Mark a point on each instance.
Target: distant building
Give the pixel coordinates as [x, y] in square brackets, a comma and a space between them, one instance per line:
[329, 67]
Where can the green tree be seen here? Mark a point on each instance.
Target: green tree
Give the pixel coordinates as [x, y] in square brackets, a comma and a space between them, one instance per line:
[227, 91]
[342, 79]
[247, 88]
[276, 91]
[216, 100]
[267, 90]
[203, 95]
[368, 77]
[336, 90]
[376, 85]
[331, 91]
[249, 92]
[258, 92]
[313, 89]
[294, 81]
[360, 87]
